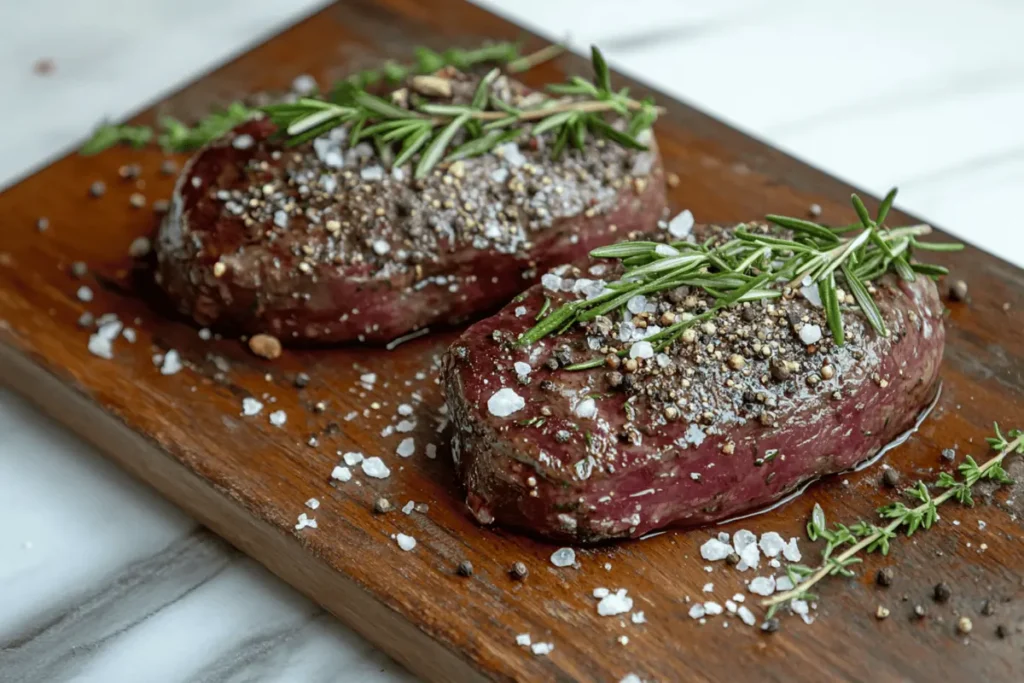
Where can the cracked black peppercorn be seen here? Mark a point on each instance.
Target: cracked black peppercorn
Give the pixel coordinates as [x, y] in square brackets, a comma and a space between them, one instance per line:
[884, 576]
[942, 592]
[770, 625]
[381, 505]
[465, 568]
[891, 478]
[302, 380]
[519, 571]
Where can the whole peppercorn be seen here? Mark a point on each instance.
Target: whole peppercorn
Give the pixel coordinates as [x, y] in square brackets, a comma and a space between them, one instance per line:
[381, 505]
[465, 568]
[884, 576]
[891, 478]
[958, 291]
[519, 571]
[942, 592]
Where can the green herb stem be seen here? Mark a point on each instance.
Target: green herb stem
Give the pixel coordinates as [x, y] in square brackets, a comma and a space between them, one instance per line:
[907, 516]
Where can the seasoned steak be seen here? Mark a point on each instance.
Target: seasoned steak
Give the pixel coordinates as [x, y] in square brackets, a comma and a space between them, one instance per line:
[326, 242]
[735, 414]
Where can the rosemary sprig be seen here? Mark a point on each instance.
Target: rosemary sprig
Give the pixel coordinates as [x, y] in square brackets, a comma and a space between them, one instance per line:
[864, 536]
[174, 136]
[754, 266]
[486, 121]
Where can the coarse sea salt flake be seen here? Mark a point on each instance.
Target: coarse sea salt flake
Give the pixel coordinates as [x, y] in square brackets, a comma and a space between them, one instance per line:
[615, 603]
[251, 406]
[522, 369]
[406, 543]
[810, 334]
[375, 467]
[641, 349]
[505, 402]
[714, 549]
[305, 521]
[712, 608]
[431, 451]
[791, 552]
[172, 363]
[563, 557]
[762, 585]
[523, 639]
[407, 447]
[601, 592]
[352, 458]
[368, 378]
[341, 473]
[312, 503]
[638, 617]
[587, 408]
[278, 418]
[746, 615]
[783, 583]
[405, 426]
[409, 507]
[680, 226]
[520, 311]
[730, 606]
[636, 304]
[708, 588]
[404, 409]
[542, 648]
[771, 543]
[750, 557]
[696, 611]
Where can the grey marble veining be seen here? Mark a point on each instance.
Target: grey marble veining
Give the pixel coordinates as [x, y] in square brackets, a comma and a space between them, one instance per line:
[101, 580]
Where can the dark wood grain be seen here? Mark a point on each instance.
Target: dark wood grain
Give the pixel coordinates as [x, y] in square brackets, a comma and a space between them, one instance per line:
[247, 480]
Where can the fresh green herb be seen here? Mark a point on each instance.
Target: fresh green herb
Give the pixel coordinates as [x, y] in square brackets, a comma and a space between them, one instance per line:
[487, 121]
[897, 516]
[175, 136]
[753, 266]
[108, 135]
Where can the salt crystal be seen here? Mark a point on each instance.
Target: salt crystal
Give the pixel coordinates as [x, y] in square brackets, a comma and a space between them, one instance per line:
[696, 611]
[712, 608]
[563, 557]
[405, 426]
[601, 592]
[587, 408]
[742, 538]
[522, 369]
[341, 473]
[810, 334]
[708, 588]
[205, 334]
[749, 558]
[680, 226]
[431, 451]
[312, 503]
[242, 141]
[101, 342]
[375, 467]
[615, 603]
[762, 585]
[746, 616]
[638, 618]
[811, 293]
[799, 607]
[372, 173]
[407, 447]
[303, 84]
[129, 335]
[505, 402]
[381, 247]
[632, 678]
[771, 544]
[551, 281]
[773, 563]
[278, 418]
[981, 525]
[636, 304]
[368, 378]
[714, 549]
[405, 410]
[523, 639]
[304, 522]
[281, 219]
[352, 459]
[172, 363]
[542, 648]
[641, 349]
[739, 597]
[509, 151]
[84, 294]
[791, 552]
[520, 311]
[406, 543]
[730, 606]
[783, 583]
[409, 507]
[251, 406]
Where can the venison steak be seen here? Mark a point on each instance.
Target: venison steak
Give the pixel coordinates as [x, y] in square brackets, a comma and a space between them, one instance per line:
[734, 415]
[324, 242]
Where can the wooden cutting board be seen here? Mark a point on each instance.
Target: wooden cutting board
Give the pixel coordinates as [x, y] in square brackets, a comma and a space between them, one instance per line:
[247, 480]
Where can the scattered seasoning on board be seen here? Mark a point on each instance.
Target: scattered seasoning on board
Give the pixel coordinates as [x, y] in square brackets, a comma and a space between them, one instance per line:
[890, 478]
[42, 224]
[465, 568]
[381, 506]
[958, 290]
[942, 592]
[884, 576]
[519, 571]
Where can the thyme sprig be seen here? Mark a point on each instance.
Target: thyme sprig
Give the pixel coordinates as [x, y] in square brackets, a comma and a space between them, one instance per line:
[876, 537]
[429, 128]
[175, 136]
[753, 266]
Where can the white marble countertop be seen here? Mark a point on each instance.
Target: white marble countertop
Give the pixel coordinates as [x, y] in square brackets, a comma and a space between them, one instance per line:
[102, 580]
